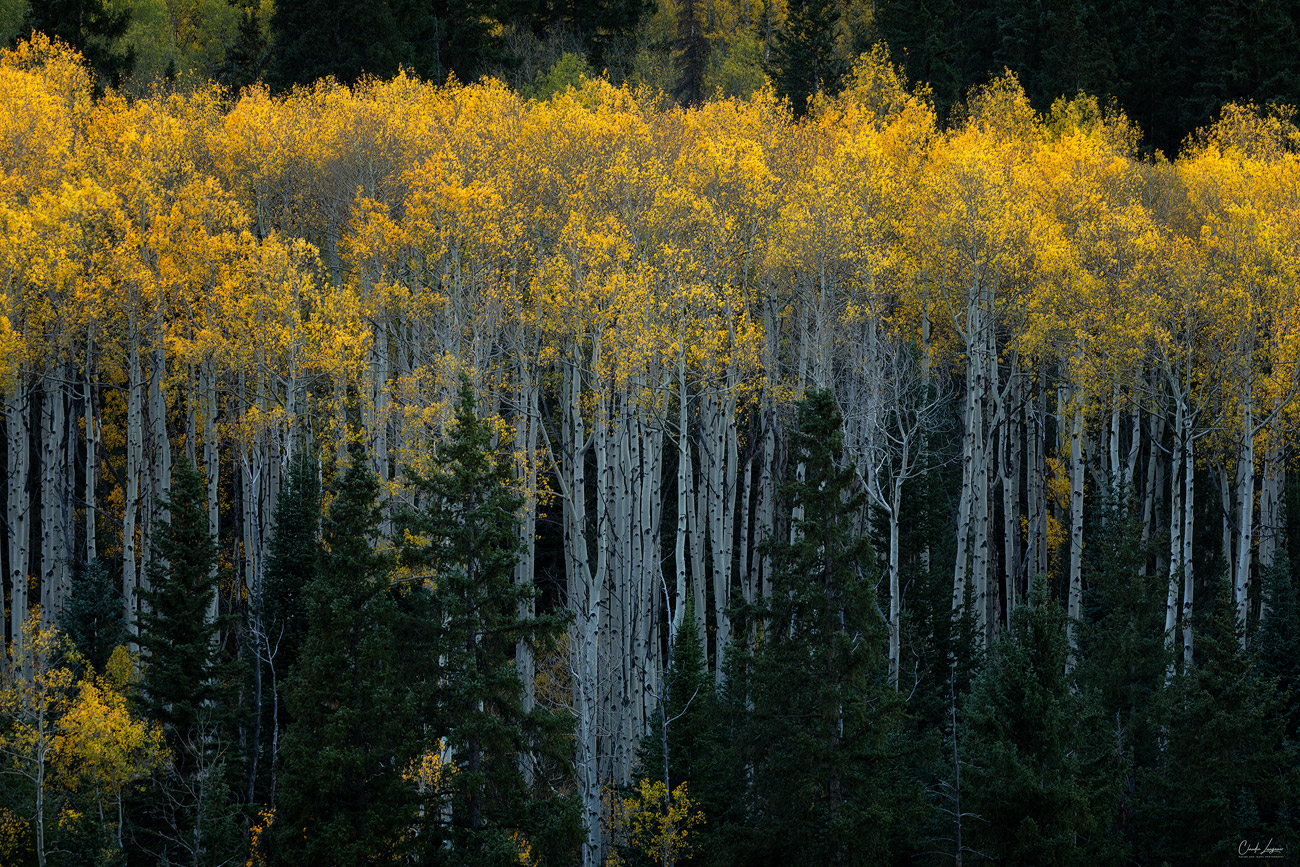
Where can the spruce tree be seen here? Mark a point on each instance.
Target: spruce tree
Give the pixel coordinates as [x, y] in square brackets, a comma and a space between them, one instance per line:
[683, 741]
[93, 27]
[93, 617]
[821, 738]
[1226, 772]
[343, 794]
[186, 686]
[183, 677]
[806, 59]
[1121, 649]
[1278, 639]
[278, 615]
[1030, 746]
[463, 611]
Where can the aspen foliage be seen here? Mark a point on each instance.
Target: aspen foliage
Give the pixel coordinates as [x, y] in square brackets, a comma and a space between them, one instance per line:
[640, 294]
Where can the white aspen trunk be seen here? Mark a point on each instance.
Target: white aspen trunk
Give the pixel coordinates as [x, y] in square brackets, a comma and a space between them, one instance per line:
[18, 506]
[1149, 492]
[766, 509]
[1272, 487]
[1175, 533]
[527, 414]
[211, 464]
[134, 466]
[1189, 468]
[54, 548]
[1034, 462]
[695, 521]
[160, 446]
[895, 576]
[1270, 498]
[1009, 468]
[1226, 519]
[1076, 527]
[654, 664]
[583, 601]
[1245, 513]
[683, 499]
[969, 476]
[92, 451]
[1134, 445]
[1115, 482]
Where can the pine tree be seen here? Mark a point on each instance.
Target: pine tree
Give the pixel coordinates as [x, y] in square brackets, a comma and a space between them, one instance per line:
[186, 686]
[278, 618]
[345, 797]
[683, 743]
[806, 59]
[93, 618]
[1278, 639]
[93, 27]
[821, 737]
[1122, 651]
[1030, 744]
[341, 38]
[1226, 772]
[463, 610]
[691, 51]
[183, 677]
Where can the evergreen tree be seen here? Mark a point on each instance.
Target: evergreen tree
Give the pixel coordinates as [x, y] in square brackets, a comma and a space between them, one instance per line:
[278, 615]
[246, 61]
[1278, 639]
[183, 677]
[806, 59]
[683, 741]
[341, 38]
[185, 685]
[691, 51]
[93, 27]
[821, 737]
[1226, 772]
[93, 617]
[1122, 651]
[292, 560]
[464, 611]
[1030, 741]
[344, 793]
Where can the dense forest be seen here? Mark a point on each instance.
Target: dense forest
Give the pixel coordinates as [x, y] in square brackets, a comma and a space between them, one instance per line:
[403, 472]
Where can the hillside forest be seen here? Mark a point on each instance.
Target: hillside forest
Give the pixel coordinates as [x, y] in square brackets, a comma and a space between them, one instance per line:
[401, 472]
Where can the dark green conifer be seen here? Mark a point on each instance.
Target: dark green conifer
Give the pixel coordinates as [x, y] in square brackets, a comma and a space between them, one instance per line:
[1226, 772]
[1030, 741]
[185, 685]
[806, 59]
[821, 735]
[463, 612]
[343, 796]
[93, 617]
[93, 27]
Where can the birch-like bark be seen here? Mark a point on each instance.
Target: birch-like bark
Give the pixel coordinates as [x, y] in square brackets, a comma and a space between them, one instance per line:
[1076, 527]
[1245, 513]
[135, 400]
[53, 529]
[91, 465]
[18, 515]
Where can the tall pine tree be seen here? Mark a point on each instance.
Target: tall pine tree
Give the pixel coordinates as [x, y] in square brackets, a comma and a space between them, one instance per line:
[463, 612]
[1031, 744]
[821, 737]
[187, 687]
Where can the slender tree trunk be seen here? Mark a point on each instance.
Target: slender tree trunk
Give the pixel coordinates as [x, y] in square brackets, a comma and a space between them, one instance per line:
[1076, 527]
[18, 514]
[1245, 514]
